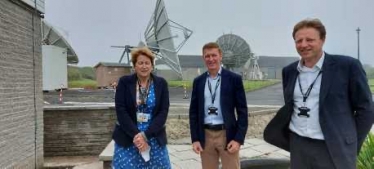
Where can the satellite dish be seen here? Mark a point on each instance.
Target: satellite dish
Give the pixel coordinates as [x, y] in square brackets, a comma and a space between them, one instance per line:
[50, 36]
[159, 38]
[252, 69]
[236, 53]
[235, 50]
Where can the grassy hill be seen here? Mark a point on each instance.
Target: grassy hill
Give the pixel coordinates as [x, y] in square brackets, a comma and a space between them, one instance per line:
[81, 77]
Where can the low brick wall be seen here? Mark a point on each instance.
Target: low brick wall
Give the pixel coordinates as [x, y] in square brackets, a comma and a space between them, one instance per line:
[86, 130]
[77, 130]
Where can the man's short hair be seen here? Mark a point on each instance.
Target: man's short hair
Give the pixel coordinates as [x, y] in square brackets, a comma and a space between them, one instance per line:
[212, 45]
[310, 23]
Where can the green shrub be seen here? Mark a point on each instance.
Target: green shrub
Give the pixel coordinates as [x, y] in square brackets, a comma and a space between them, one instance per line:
[365, 159]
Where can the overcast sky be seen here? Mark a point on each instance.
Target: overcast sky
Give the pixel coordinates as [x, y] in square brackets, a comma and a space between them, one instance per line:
[92, 26]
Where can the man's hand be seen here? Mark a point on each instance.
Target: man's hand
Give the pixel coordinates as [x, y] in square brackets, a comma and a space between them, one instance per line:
[197, 147]
[233, 146]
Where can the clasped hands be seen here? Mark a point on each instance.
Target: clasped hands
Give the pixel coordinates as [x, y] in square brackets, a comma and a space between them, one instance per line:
[140, 142]
[232, 147]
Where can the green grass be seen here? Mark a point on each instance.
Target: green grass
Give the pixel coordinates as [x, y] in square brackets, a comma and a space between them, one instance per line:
[371, 84]
[365, 159]
[178, 83]
[249, 85]
[84, 83]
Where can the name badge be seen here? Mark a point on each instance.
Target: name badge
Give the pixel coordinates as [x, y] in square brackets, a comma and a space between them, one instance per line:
[142, 117]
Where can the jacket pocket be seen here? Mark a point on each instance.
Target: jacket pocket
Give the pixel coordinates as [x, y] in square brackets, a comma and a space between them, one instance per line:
[350, 139]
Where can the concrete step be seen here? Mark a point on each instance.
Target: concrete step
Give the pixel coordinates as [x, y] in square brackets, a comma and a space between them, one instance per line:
[73, 162]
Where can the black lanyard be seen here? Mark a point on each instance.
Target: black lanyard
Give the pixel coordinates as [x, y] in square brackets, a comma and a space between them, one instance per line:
[215, 90]
[143, 92]
[306, 95]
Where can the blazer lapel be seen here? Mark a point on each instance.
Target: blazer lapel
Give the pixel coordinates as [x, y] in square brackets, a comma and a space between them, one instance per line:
[201, 89]
[157, 87]
[224, 83]
[292, 82]
[328, 70]
[132, 86]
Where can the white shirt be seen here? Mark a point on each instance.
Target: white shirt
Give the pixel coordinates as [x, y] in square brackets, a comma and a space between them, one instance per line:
[307, 126]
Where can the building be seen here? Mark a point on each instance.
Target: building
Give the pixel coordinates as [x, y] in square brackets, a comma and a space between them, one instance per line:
[21, 98]
[57, 53]
[193, 65]
[108, 73]
[271, 66]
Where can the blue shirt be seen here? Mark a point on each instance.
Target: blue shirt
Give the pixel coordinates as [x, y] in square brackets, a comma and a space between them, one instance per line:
[213, 118]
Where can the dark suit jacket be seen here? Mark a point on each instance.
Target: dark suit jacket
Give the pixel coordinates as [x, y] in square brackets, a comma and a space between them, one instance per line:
[125, 101]
[232, 96]
[345, 109]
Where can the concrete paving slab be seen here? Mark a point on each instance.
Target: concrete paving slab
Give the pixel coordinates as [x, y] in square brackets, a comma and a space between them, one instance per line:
[186, 155]
[188, 164]
[265, 148]
[250, 153]
[181, 147]
[255, 141]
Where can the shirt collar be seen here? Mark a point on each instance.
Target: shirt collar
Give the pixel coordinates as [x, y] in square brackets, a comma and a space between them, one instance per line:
[218, 74]
[318, 66]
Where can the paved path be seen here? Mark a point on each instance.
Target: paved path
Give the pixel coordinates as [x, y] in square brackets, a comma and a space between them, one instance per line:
[182, 156]
[271, 95]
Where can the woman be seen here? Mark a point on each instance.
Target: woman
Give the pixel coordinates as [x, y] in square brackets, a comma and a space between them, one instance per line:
[142, 105]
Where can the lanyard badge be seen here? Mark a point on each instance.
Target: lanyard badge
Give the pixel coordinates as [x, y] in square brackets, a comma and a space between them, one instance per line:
[304, 110]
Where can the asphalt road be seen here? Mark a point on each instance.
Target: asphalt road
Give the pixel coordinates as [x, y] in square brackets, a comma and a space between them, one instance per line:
[271, 95]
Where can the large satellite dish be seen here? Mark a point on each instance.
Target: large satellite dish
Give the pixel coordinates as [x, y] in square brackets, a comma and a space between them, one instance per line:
[50, 36]
[235, 50]
[236, 54]
[160, 36]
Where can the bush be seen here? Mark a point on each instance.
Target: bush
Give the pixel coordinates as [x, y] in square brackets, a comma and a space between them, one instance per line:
[365, 159]
[74, 74]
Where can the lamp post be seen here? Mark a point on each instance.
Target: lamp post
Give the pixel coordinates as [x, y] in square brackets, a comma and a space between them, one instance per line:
[358, 43]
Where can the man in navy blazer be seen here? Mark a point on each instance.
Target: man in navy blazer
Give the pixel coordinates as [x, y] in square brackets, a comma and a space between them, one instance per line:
[328, 108]
[216, 131]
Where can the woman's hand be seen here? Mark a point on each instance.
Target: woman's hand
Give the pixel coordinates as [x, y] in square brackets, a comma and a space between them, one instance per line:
[140, 142]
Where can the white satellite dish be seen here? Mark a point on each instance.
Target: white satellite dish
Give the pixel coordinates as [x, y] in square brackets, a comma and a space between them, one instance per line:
[235, 50]
[252, 69]
[50, 36]
[159, 38]
[236, 53]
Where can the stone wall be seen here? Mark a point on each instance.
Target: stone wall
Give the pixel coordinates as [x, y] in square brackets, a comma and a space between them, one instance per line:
[21, 114]
[77, 131]
[86, 130]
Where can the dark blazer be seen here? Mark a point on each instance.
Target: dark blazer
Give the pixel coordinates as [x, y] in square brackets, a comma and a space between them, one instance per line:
[345, 109]
[125, 101]
[232, 96]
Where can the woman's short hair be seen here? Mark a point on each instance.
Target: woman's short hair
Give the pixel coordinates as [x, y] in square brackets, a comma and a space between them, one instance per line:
[135, 53]
[310, 23]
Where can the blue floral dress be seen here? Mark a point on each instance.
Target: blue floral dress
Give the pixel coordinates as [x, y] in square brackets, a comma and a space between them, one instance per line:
[130, 158]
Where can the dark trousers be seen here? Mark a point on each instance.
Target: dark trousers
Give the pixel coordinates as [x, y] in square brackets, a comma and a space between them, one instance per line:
[307, 153]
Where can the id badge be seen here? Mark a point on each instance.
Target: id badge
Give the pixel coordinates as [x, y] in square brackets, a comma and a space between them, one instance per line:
[142, 117]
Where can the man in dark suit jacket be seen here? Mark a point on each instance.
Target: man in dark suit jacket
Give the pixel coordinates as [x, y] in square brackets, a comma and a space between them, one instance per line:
[328, 105]
[215, 131]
